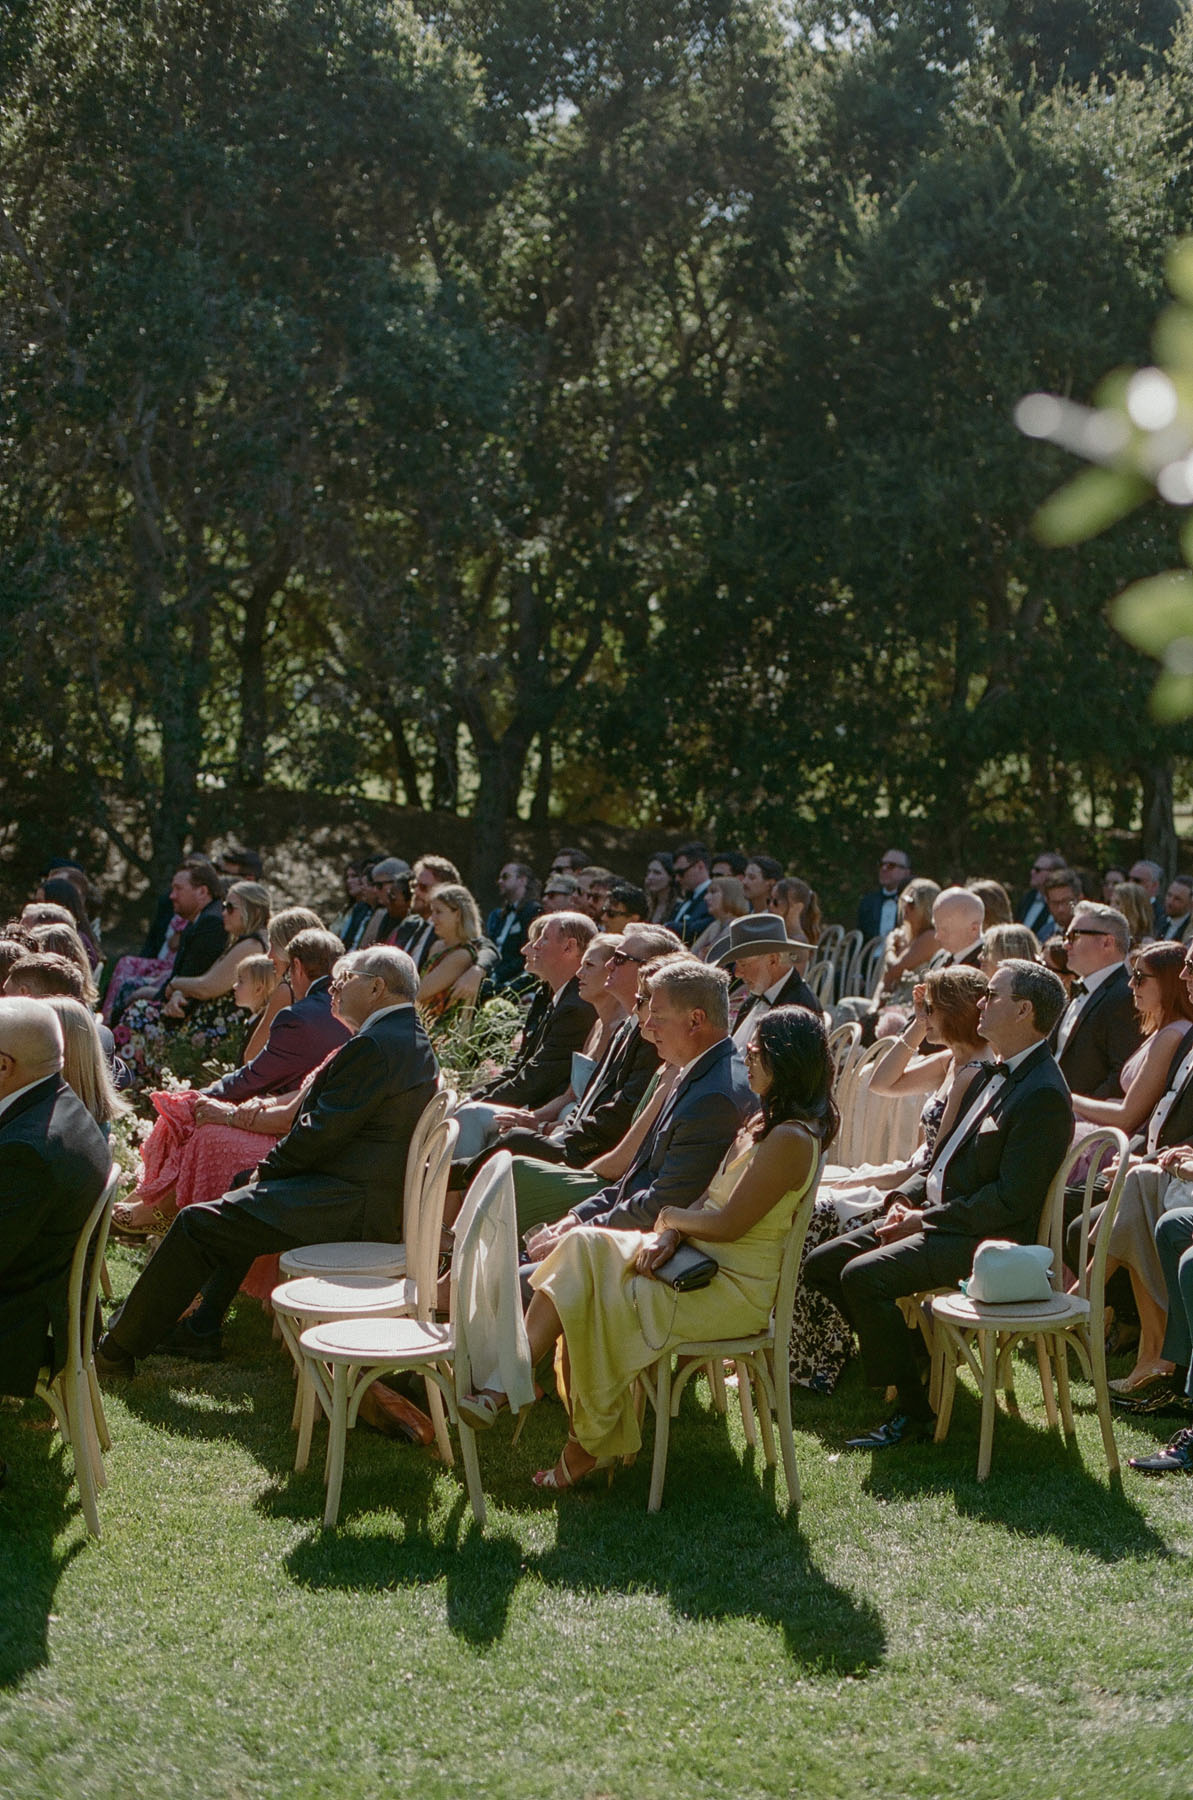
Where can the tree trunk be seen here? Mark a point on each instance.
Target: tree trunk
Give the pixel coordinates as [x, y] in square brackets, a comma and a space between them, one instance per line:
[445, 770]
[250, 749]
[540, 807]
[500, 765]
[1160, 842]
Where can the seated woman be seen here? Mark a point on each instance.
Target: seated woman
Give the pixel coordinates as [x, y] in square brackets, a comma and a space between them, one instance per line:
[202, 1004]
[946, 1005]
[1165, 1012]
[596, 1287]
[660, 888]
[590, 979]
[59, 891]
[912, 943]
[451, 979]
[1132, 901]
[64, 940]
[726, 901]
[798, 907]
[84, 1065]
[1002, 942]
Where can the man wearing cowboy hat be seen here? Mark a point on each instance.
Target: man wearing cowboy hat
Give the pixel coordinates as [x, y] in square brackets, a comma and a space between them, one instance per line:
[761, 951]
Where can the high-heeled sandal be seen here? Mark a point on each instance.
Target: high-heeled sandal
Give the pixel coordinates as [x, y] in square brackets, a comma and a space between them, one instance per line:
[481, 1410]
[561, 1477]
[154, 1219]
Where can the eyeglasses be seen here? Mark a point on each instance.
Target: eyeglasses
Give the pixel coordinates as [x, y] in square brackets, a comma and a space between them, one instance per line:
[1076, 931]
[556, 893]
[888, 862]
[680, 868]
[615, 912]
[229, 905]
[623, 956]
[340, 981]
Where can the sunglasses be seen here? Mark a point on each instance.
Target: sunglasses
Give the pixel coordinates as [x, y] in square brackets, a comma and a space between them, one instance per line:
[1139, 975]
[1076, 931]
[623, 956]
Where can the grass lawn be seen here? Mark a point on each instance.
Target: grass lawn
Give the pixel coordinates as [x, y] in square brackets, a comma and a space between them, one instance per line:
[911, 1633]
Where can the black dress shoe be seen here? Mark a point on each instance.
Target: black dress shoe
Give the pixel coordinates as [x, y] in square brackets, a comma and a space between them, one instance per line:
[901, 1429]
[197, 1346]
[1175, 1459]
[112, 1361]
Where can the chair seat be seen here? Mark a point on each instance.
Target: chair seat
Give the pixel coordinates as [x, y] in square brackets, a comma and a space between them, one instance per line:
[377, 1340]
[326, 1297]
[367, 1258]
[723, 1348]
[1027, 1315]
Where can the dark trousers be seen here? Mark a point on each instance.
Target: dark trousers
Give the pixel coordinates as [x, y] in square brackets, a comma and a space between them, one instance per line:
[209, 1248]
[866, 1278]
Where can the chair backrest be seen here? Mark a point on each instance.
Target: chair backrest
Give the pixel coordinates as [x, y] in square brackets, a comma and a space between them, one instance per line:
[841, 1041]
[789, 1268]
[820, 978]
[422, 1243]
[1091, 1281]
[854, 1103]
[87, 1265]
[858, 977]
[843, 958]
[438, 1107]
[829, 939]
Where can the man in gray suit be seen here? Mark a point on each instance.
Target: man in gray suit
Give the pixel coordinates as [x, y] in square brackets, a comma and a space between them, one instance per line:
[335, 1177]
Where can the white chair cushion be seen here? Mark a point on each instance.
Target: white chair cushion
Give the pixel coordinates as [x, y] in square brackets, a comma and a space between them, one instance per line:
[368, 1258]
[377, 1340]
[325, 1297]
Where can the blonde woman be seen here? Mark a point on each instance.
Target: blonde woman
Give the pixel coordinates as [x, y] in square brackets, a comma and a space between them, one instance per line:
[726, 901]
[448, 978]
[913, 941]
[1132, 901]
[84, 1065]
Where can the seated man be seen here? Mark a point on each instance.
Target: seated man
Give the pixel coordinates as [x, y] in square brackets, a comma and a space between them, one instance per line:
[987, 1177]
[690, 915]
[509, 922]
[615, 1089]
[688, 1022]
[53, 1165]
[335, 1177]
[624, 905]
[958, 917]
[302, 1034]
[1099, 1028]
[761, 954]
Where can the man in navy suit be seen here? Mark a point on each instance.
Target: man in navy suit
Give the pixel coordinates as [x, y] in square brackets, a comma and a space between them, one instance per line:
[988, 1177]
[688, 1022]
[53, 1166]
[336, 1176]
[301, 1035]
[690, 915]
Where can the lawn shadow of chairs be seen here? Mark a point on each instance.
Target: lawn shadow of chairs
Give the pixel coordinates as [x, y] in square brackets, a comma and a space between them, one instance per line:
[39, 1501]
[719, 1549]
[1066, 1495]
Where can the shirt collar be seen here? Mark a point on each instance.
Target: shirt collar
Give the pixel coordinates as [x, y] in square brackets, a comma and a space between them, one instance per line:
[1020, 1057]
[11, 1099]
[1093, 982]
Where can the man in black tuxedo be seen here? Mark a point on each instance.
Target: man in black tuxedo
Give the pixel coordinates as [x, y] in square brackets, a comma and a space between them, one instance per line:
[53, 1166]
[1032, 909]
[759, 952]
[301, 1035]
[690, 915]
[416, 933]
[878, 911]
[988, 1177]
[688, 1021]
[335, 1177]
[508, 923]
[1099, 1028]
[957, 917]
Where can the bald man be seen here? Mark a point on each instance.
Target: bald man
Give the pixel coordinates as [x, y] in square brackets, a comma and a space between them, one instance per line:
[957, 916]
[53, 1164]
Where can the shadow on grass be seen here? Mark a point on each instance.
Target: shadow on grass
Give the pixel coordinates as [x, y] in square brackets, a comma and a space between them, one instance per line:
[719, 1550]
[1040, 1485]
[36, 1505]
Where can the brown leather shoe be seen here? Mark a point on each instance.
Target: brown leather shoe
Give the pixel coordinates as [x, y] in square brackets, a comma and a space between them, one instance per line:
[394, 1416]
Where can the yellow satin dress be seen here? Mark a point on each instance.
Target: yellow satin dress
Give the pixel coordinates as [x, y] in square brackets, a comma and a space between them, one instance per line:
[617, 1323]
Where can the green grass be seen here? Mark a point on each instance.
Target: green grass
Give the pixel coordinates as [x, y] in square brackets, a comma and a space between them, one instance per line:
[912, 1633]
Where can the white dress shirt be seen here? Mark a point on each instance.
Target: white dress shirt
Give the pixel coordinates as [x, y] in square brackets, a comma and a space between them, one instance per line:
[1167, 1101]
[1076, 1007]
[757, 1009]
[970, 1118]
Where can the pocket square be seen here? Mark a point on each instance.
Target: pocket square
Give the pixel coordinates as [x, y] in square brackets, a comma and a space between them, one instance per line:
[988, 1127]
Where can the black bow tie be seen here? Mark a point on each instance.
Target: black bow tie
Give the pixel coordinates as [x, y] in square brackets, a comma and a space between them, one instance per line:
[1077, 989]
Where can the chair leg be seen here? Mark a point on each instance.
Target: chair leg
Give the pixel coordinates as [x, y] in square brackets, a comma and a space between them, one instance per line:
[304, 1402]
[472, 1473]
[745, 1399]
[946, 1350]
[337, 1439]
[105, 1280]
[84, 1446]
[443, 1442]
[1061, 1362]
[988, 1348]
[1095, 1349]
[764, 1424]
[97, 1409]
[781, 1377]
[662, 1432]
[1045, 1365]
[716, 1381]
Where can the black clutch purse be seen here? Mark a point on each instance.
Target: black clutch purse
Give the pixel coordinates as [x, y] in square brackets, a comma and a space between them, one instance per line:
[686, 1269]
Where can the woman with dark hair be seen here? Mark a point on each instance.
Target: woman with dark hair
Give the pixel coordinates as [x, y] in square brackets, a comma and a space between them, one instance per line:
[761, 874]
[58, 891]
[596, 1288]
[659, 886]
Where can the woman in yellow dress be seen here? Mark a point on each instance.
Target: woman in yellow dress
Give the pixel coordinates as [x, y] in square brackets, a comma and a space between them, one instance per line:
[597, 1289]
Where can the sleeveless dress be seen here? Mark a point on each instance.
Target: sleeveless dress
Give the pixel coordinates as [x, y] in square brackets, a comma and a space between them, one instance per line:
[617, 1323]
